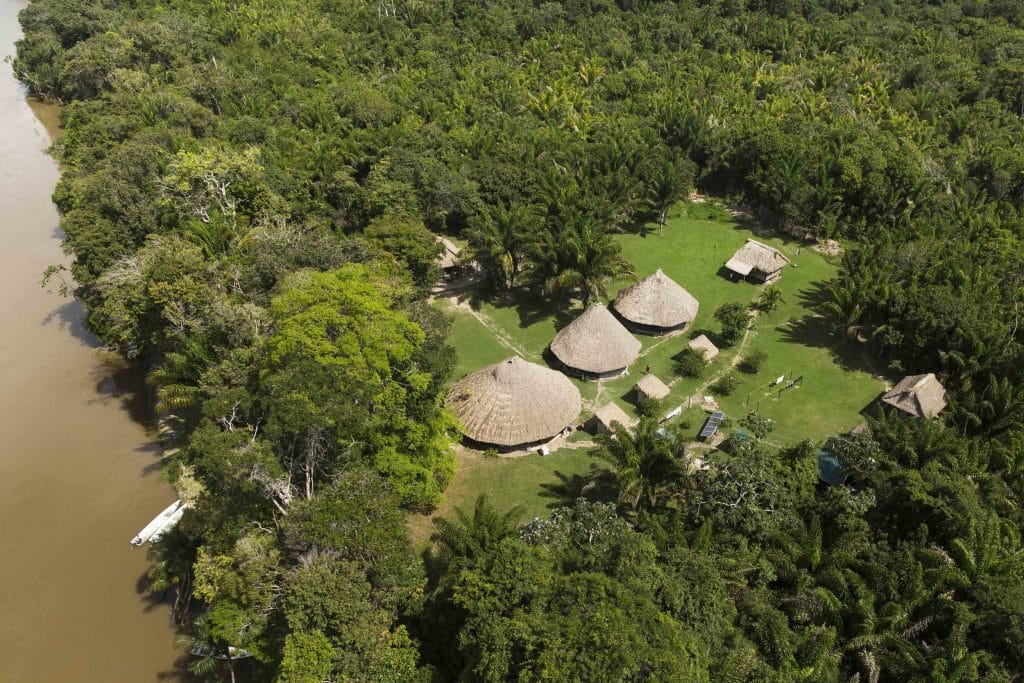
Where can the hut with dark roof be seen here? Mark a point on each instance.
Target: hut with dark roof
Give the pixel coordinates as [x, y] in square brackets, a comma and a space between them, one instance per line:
[514, 404]
[595, 344]
[650, 387]
[917, 395]
[656, 304]
[758, 262]
[606, 416]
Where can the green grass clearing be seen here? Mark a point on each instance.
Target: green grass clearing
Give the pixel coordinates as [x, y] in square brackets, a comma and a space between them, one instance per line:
[838, 380]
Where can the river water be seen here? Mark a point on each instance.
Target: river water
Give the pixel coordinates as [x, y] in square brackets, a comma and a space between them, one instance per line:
[78, 471]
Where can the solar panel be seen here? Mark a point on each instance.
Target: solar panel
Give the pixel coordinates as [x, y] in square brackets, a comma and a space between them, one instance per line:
[711, 426]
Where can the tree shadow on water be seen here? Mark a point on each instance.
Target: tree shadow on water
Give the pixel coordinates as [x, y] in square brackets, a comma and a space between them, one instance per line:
[123, 381]
[70, 317]
[179, 674]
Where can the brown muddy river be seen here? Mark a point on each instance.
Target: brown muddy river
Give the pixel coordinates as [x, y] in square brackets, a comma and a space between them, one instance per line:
[78, 473]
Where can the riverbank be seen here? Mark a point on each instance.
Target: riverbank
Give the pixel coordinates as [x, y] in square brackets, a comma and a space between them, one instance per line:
[78, 473]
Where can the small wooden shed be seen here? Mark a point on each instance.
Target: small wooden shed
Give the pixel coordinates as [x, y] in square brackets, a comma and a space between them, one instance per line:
[650, 387]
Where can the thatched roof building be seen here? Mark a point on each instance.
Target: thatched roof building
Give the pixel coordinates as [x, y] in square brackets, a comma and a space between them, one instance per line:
[917, 395]
[450, 256]
[758, 262]
[595, 343]
[606, 415]
[650, 387]
[514, 403]
[702, 343]
[656, 304]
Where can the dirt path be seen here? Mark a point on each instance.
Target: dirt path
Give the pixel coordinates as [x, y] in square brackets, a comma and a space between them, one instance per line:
[492, 327]
[698, 394]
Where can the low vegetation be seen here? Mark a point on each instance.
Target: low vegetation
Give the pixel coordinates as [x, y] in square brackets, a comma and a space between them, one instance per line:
[250, 196]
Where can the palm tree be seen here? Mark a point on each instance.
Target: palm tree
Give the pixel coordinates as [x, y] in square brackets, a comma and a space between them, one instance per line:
[176, 380]
[770, 299]
[469, 536]
[501, 236]
[646, 466]
[582, 257]
[671, 180]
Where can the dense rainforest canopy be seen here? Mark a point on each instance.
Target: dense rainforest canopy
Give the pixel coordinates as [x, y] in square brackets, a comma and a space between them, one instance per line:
[250, 195]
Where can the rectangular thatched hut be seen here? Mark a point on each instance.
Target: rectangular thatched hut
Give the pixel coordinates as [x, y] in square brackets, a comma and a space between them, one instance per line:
[917, 395]
[757, 262]
[650, 387]
[605, 416]
[450, 258]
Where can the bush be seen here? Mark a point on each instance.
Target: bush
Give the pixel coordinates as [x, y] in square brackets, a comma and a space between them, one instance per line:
[754, 362]
[691, 363]
[649, 408]
[734, 319]
[726, 385]
[757, 424]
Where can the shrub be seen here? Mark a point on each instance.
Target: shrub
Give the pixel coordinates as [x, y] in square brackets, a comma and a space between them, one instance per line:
[691, 363]
[754, 362]
[649, 408]
[726, 385]
[757, 424]
[734, 319]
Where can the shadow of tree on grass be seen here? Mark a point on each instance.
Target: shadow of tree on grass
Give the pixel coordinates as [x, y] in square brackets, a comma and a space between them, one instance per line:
[593, 486]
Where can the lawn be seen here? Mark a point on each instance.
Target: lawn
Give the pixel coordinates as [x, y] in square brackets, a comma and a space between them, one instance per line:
[534, 482]
[837, 378]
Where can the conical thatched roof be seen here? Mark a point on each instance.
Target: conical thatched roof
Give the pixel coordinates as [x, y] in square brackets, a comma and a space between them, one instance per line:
[596, 342]
[919, 395]
[656, 301]
[651, 387]
[702, 343]
[514, 402]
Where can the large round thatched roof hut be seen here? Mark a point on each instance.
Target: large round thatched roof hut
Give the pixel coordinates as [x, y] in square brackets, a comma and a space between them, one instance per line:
[514, 403]
[656, 304]
[596, 344]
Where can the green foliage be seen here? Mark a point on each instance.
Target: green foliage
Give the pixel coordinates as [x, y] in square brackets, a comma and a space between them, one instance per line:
[770, 299]
[753, 362]
[645, 466]
[756, 424]
[340, 361]
[726, 384]
[307, 657]
[691, 363]
[236, 180]
[336, 624]
[409, 241]
[734, 320]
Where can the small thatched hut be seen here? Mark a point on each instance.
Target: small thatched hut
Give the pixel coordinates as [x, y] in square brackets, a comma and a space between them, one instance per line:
[514, 403]
[917, 395]
[449, 260]
[757, 262]
[595, 344]
[705, 345]
[650, 387]
[605, 416]
[656, 304]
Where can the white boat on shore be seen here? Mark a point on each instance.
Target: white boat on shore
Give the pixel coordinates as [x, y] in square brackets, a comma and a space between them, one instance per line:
[170, 516]
[231, 652]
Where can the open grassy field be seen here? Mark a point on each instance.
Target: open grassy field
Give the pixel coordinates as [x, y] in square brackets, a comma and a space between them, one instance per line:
[838, 380]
